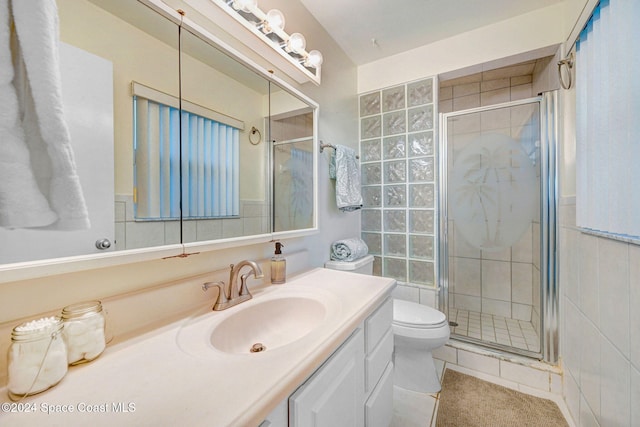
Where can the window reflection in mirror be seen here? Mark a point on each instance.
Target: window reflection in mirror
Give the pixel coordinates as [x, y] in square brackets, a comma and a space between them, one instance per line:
[224, 173]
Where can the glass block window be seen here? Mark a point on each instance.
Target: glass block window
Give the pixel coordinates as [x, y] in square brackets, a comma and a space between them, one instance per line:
[399, 180]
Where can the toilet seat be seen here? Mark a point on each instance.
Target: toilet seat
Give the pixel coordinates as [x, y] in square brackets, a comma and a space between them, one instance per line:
[413, 315]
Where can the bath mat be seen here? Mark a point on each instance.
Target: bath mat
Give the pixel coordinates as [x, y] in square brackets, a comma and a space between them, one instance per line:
[466, 401]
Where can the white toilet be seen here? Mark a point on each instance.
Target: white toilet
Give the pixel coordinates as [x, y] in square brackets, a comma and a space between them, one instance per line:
[417, 331]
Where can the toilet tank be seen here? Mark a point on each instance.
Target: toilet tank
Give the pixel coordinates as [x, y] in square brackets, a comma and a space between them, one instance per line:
[363, 265]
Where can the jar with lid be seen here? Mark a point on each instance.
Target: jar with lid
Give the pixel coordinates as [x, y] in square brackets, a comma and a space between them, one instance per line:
[83, 331]
[37, 358]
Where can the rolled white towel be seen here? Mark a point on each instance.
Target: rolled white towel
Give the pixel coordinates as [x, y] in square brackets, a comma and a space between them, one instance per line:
[349, 249]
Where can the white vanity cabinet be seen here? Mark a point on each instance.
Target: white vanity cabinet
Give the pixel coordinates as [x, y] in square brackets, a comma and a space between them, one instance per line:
[378, 408]
[354, 387]
[333, 395]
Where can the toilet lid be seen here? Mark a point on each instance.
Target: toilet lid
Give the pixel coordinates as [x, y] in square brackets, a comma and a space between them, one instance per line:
[416, 315]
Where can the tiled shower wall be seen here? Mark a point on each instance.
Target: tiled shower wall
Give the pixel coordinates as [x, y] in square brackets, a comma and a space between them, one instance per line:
[501, 283]
[399, 180]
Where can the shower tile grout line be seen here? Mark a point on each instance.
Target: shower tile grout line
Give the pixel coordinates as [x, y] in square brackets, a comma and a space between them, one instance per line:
[513, 333]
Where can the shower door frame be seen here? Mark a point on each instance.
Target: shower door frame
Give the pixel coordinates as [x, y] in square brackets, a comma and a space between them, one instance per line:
[549, 295]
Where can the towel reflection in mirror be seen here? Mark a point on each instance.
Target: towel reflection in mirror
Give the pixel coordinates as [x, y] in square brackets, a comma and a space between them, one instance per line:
[39, 185]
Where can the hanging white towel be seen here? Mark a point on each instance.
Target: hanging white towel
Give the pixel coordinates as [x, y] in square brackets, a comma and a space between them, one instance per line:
[39, 185]
[348, 195]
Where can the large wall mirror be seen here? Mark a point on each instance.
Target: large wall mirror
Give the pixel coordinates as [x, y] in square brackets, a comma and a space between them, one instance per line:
[175, 141]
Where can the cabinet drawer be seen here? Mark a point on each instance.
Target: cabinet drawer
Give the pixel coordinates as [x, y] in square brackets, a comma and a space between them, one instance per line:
[377, 325]
[378, 360]
[379, 407]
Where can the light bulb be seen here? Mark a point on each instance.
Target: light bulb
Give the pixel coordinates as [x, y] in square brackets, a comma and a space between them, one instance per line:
[274, 21]
[314, 59]
[245, 5]
[296, 43]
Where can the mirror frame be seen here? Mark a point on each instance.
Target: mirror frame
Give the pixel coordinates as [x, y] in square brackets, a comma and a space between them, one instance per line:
[33, 269]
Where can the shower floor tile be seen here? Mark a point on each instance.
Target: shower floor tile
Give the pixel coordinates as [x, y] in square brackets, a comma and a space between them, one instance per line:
[487, 327]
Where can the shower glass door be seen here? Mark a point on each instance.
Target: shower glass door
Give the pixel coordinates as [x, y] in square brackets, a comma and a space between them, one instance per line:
[491, 220]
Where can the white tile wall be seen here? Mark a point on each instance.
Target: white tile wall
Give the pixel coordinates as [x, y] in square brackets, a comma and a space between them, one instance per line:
[587, 418]
[132, 234]
[613, 278]
[496, 280]
[512, 371]
[407, 293]
[590, 366]
[524, 375]
[634, 304]
[600, 341]
[479, 363]
[572, 395]
[635, 396]
[419, 294]
[615, 396]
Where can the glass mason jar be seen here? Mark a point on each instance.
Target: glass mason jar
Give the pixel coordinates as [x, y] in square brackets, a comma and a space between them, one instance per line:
[37, 357]
[84, 325]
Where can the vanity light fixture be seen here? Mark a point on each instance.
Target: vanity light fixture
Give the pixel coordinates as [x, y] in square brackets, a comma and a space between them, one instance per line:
[270, 28]
[314, 59]
[274, 21]
[296, 44]
[244, 5]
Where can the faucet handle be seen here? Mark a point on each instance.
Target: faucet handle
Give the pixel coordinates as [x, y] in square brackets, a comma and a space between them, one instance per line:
[244, 290]
[206, 286]
[222, 297]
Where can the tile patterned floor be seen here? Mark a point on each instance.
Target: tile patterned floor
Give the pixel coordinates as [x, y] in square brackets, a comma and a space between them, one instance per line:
[515, 333]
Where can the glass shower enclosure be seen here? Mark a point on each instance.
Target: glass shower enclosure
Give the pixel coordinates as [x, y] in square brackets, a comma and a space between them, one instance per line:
[497, 226]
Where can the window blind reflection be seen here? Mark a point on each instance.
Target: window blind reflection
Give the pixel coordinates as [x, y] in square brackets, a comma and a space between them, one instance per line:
[208, 160]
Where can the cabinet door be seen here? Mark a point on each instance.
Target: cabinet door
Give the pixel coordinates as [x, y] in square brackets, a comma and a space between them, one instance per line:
[379, 407]
[278, 417]
[334, 395]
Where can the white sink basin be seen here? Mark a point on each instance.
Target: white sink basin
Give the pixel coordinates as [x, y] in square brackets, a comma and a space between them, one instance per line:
[268, 325]
[272, 319]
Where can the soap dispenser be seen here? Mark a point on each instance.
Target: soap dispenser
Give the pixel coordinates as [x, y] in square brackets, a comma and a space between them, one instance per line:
[278, 266]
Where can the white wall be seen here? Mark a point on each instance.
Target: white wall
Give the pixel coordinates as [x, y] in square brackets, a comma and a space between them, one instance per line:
[531, 31]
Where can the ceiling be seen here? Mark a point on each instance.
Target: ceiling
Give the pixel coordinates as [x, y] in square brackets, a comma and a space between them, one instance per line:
[368, 30]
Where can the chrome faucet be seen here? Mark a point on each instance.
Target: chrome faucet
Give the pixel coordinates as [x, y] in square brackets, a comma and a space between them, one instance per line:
[233, 294]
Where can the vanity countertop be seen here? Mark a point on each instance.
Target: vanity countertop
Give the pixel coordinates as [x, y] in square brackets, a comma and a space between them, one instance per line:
[155, 379]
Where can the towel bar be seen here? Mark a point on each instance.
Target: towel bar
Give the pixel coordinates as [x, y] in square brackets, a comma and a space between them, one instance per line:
[323, 146]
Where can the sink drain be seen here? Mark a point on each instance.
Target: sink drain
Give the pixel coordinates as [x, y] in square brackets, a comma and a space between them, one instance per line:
[257, 347]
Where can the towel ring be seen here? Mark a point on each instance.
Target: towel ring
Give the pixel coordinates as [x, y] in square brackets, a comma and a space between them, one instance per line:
[568, 61]
[255, 130]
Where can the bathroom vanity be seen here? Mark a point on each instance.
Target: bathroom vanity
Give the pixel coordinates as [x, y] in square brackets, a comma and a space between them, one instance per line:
[359, 373]
[325, 359]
